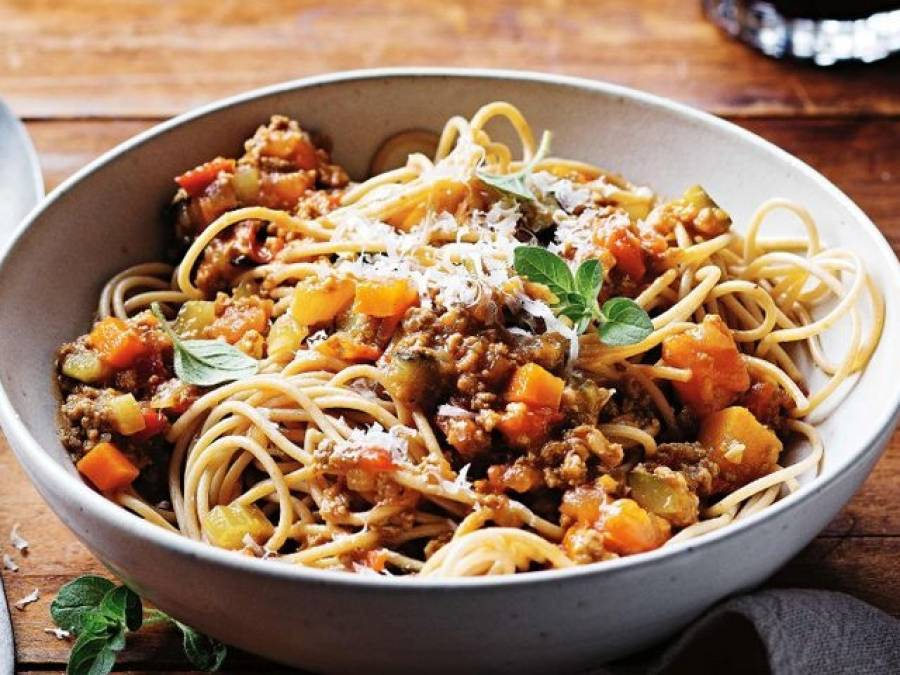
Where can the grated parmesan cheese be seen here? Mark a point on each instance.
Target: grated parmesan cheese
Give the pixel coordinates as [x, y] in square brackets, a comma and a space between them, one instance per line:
[17, 540]
[58, 633]
[447, 410]
[32, 597]
[394, 440]
[9, 563]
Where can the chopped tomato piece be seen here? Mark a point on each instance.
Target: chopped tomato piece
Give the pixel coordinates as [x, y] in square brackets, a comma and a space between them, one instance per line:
[154, 423]
[196, 180]
[718, 373]
[116, 342]
[535, 386]
[107, 468]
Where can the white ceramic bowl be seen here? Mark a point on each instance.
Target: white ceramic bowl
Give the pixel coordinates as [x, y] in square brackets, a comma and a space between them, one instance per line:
[108, 216]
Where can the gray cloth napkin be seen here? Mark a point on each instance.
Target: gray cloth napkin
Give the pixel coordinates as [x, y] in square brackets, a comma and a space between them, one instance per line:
[782, 632]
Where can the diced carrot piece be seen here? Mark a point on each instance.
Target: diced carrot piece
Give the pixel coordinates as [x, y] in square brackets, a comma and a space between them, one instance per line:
[107, 468]
[385, 298]
[196, 180]
[116, 342]
[524, 427]
[343, 346]
[377, 559]
[448, 198]
[318, 301]
[536, 387]
[743, 448]
[718, 373]
[629, 529]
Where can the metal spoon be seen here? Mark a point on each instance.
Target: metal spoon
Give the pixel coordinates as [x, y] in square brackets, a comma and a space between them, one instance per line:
[21, 187]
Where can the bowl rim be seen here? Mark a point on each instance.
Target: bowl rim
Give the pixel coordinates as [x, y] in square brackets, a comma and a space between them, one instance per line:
[57, 478]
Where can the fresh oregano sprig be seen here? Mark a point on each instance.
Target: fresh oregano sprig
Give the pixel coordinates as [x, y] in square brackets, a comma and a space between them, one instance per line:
[514, 184]
[100, 614]
[206, 363]
[621, 321]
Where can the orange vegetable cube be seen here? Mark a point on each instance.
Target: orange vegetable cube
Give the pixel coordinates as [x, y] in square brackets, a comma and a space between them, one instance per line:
[534, 386]
[342, 346]
[526, 427]
[318, 301]
[196, 180]
[630, 529]
[743, 448]
[116, 342]
[107, 468]
[718, 373]
[386, 298]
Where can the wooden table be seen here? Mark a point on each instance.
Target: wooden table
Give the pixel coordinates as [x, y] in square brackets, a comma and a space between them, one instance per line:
[87, 74]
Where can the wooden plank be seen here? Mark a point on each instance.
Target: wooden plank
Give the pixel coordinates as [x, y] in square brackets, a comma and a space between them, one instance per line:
[862, 156]
[117, 58]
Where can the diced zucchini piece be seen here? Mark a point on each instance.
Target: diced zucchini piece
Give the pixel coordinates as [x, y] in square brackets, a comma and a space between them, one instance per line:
[126, 415]
[193, 317]
[85, 366]
[226, 526]
[665, 493]
[246, 183]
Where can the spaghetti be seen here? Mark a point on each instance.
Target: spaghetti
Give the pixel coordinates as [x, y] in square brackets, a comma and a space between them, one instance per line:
[422, 406]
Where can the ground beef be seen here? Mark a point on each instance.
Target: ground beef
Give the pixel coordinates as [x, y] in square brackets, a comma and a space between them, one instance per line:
[85, 420]
[692, 460]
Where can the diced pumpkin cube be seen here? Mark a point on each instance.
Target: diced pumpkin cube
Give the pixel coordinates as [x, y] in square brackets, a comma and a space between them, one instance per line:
[107, 467]
[523, 426]
[116, 342]
[85, 365]
[630, 529]
[536, 387]
[343, 346]
[126, 415]
[318, 301]
[386, 298]
[226, 526]
[193, 318]
[743, 448]
[718, 373]
[666, 493]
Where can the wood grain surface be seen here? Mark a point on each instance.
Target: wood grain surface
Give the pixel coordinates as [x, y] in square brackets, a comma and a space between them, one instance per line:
[87, 74]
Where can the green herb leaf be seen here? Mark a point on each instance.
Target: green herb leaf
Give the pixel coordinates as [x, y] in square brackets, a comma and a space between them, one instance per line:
[202, 651]
[543, 267]
[94, 652]
[206, 363]
[210, 362]
[514, 183]
[626, 322]
[123, 605]
[589, 281]
[78, 598]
